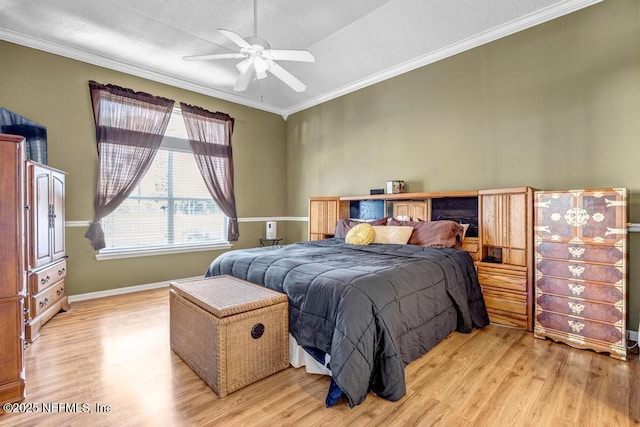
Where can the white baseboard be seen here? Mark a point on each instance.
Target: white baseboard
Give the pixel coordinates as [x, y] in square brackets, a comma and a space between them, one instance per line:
[633, 335]
[122, 291]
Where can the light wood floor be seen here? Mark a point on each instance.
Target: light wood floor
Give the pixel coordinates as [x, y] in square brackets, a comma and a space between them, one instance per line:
[115, 351]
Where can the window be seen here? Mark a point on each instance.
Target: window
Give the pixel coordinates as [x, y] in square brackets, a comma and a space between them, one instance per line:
[171, 206]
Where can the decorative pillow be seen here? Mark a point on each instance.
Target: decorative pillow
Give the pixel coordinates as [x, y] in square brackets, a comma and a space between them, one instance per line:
[392, 234]
[465, 228]
[360, 234]
[344, 225]
[435, 234]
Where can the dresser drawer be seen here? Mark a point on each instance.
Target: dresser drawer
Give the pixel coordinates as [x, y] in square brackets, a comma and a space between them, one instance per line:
[513, 280]
[42, 279]
[39, 303]
[582, 271]
[590, 253]
[580, 289]
[505, 301]
[506, 318]
[580, 308]
[578, 326]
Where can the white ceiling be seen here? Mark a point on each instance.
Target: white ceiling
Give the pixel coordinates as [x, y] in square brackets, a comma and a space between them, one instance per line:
[356, 42]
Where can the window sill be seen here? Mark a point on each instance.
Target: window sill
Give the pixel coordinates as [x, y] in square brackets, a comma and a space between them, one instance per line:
[134, 253]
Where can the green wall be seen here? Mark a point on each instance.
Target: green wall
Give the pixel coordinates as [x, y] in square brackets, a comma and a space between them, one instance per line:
[53, 91]
[553, 107]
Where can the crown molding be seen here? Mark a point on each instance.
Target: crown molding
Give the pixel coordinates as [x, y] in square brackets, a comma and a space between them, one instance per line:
[134, 70]
[539, 17]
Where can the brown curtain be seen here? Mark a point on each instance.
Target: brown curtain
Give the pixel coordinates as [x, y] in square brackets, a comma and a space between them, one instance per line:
[129, 130]
[210, 137]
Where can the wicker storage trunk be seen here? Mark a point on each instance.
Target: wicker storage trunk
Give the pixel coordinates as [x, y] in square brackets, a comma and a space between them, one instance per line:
[232, 333]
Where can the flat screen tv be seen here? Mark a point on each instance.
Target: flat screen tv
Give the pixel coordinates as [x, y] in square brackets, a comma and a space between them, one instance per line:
[35, 135]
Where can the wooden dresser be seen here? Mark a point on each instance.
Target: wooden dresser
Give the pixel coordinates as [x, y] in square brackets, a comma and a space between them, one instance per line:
[581, 268]
[12, 268]
[47, 259]
[505, 269]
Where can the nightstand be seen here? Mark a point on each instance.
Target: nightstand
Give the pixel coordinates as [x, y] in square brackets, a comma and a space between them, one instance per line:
[270, 242]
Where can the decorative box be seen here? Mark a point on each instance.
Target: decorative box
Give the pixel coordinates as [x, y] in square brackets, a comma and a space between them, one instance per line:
[232, 333]
[395, 187]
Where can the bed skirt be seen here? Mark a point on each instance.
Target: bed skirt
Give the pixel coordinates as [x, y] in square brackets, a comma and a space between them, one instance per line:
[298, 358]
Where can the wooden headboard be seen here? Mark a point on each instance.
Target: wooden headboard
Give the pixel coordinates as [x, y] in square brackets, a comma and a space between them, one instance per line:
[460, 206]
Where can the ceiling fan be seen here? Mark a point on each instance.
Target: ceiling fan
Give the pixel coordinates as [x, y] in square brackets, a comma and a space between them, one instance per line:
[258, 58]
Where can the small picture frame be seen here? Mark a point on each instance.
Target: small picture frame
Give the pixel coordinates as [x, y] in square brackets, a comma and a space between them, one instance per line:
[395, 187]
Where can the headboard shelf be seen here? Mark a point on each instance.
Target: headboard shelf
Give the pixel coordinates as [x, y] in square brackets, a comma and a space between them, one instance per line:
[459, 206]
[413, 196]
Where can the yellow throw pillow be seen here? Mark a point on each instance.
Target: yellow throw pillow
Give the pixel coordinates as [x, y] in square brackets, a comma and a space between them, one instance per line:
[398, 234]
[361, 234]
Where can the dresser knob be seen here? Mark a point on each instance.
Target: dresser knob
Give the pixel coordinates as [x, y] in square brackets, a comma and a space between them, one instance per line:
[25, 345]
[59, 291]
[576, 252]
[61, 271]
[576, 270]
[575, 307]
[575, 289]
[576, 326]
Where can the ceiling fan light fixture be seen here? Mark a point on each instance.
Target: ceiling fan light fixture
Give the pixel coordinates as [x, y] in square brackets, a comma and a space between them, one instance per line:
[243, 66]
[260, 65]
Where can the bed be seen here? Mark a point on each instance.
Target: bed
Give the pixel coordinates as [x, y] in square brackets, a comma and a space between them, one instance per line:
[373, 308]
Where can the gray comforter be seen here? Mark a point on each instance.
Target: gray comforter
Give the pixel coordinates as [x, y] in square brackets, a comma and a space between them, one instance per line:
[373, 308]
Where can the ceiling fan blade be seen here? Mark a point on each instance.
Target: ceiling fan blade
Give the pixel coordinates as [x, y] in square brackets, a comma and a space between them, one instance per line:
[244, 79]
[215, 56]
[234, 38]
[292, 55]
[286, 77]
